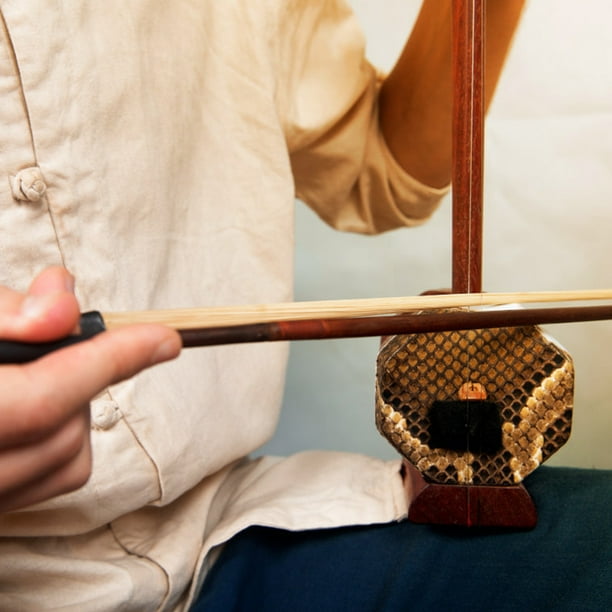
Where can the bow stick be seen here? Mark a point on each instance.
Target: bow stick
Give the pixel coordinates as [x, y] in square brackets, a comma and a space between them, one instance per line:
[336, 319]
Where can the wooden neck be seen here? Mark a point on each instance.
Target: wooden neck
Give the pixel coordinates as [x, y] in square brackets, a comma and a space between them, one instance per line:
[467, 143]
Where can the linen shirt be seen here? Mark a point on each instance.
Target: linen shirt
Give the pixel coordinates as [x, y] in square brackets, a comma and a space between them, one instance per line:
[155, 149]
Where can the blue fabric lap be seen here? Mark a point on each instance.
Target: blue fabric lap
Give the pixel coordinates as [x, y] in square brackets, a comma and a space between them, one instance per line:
[564, 564]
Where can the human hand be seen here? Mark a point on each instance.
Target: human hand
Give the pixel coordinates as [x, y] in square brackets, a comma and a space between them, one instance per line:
[45, 447]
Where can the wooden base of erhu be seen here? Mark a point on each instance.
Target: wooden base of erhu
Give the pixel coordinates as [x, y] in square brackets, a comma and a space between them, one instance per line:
[468, 506]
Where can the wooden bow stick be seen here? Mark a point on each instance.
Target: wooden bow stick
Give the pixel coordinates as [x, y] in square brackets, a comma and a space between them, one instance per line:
[192, 318]
[336, 319]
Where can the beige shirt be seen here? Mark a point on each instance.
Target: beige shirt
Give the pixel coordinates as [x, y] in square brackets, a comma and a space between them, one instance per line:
[152, 147]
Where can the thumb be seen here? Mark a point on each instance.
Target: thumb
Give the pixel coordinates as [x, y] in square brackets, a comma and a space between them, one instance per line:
[47, 312]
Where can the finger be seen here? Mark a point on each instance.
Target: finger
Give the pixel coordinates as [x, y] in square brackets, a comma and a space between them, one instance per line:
[25, 464]
[49, 310]
[40, 396]
[69, 476]
[10, 301]
[54, 279]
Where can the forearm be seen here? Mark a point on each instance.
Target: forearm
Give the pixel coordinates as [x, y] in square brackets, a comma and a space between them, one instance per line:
[416, 98]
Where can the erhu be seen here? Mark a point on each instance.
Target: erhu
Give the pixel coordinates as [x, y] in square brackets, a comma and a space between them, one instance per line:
[473, 412]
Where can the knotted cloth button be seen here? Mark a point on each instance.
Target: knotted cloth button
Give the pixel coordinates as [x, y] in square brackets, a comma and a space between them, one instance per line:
[104, 414]
[28, 184]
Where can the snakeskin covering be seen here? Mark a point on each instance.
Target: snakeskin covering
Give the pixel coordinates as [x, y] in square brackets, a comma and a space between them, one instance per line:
[527, 375]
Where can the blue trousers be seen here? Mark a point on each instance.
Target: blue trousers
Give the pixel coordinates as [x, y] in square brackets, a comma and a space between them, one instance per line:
[565, 563]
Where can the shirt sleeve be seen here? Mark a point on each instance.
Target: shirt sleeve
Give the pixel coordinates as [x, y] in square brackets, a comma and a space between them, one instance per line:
[327, 97]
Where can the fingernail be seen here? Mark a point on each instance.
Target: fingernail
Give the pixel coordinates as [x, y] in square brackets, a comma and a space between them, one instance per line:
[168, 349]
[35, 306]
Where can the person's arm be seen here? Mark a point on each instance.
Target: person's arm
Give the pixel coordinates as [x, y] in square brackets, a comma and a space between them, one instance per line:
[416, 97]
[44, 406]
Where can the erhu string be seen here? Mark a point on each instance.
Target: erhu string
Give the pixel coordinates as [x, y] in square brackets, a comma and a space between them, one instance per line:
[467, 60]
